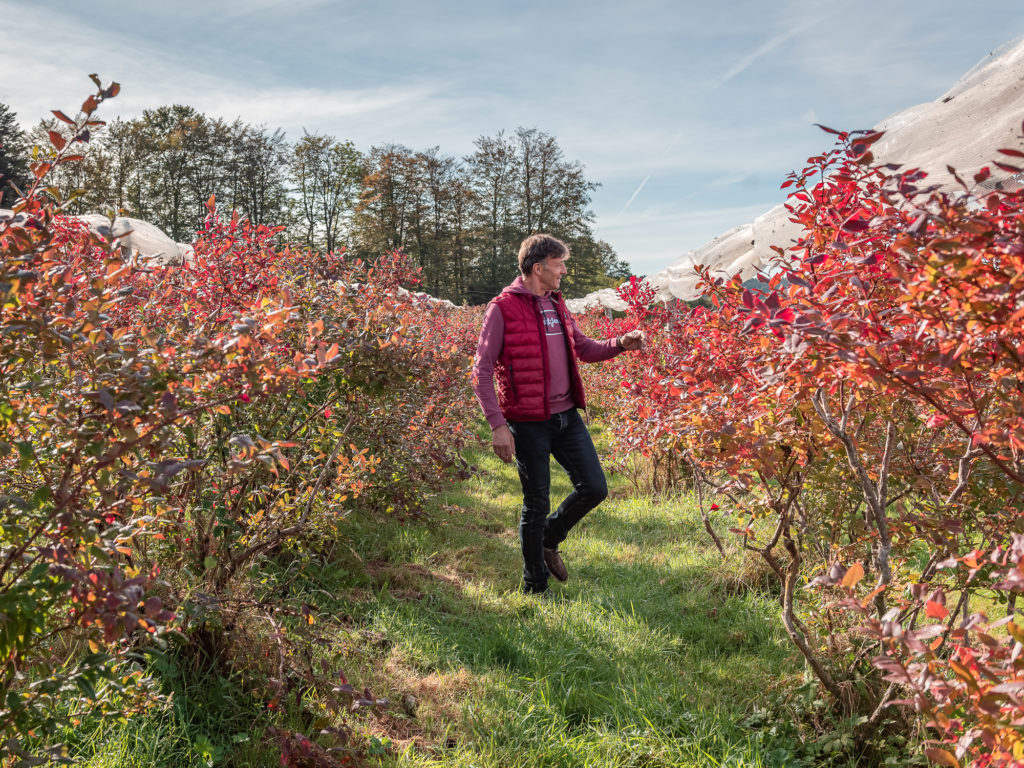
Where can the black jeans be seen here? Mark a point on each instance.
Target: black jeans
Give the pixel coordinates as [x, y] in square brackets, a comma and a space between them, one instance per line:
[565, 437]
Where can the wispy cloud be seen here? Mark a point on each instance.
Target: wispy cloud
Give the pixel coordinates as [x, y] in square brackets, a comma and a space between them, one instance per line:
[239, 8]
[728, 180]
[667, 103]
[740, 66]
[152, 76]
[765, 48]
[650, 239]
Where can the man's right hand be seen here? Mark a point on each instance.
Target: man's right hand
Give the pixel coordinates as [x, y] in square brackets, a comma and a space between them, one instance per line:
[504, 444]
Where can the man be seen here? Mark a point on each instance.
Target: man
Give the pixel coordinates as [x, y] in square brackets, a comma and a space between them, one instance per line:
[528, 348]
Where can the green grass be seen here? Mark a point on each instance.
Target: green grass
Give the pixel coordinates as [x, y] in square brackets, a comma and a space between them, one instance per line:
[652, 654]
[207, 719]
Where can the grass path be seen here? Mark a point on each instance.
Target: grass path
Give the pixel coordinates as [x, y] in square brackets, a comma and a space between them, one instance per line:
[650, 655]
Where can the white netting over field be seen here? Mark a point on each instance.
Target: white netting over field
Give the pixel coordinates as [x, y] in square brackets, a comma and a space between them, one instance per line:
[963, 128]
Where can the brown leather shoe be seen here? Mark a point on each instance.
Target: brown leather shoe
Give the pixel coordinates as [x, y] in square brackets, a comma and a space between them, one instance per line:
[556, 567]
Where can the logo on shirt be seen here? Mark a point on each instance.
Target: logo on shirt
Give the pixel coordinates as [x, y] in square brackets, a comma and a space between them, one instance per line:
[552, 325]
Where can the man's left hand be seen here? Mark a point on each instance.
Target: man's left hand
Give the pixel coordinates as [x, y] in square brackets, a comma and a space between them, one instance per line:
[633, 340]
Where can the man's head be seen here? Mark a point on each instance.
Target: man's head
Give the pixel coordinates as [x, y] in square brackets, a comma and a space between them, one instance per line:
[537, 248]
[542, 262]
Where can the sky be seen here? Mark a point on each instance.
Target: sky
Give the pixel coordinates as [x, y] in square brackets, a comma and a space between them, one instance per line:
[689, 114]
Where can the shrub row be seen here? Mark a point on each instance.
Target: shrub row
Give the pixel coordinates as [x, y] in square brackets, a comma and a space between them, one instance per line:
[165, 430]
[861, 415]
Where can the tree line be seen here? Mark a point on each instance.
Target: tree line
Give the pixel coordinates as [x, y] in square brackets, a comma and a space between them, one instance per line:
[460, 219]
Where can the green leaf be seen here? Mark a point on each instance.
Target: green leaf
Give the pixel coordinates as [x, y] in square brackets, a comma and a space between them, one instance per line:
[41, 496]
[25, 455]
[86, 686]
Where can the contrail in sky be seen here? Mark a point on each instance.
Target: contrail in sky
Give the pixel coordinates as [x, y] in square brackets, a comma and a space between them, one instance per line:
[637, 191]
[741, 65]
[766, 48]
[667, 150]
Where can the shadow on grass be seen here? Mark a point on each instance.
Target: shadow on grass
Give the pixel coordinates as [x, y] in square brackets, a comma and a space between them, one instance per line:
[609, 618]
[649, 631]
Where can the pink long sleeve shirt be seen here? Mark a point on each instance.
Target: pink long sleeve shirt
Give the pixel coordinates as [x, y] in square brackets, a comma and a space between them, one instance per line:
[492, 336]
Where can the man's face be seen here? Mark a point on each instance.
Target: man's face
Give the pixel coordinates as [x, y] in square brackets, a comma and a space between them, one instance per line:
[550, 272]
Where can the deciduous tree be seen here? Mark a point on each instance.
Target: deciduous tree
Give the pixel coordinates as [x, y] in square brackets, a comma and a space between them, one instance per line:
[326, 173]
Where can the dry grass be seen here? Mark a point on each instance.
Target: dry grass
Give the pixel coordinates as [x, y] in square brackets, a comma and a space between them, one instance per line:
[747, 572]
[426, 708]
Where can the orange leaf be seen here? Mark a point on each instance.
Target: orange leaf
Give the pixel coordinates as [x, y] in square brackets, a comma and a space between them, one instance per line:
[854, 575]
[935, 610]
[872, 595]
[964, 674]
[1016, 632]
[942, 757]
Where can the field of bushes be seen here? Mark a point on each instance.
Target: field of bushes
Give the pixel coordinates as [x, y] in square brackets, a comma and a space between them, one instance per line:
[247, 516]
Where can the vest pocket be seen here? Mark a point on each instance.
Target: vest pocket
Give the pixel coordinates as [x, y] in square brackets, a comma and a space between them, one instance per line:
[514, 390]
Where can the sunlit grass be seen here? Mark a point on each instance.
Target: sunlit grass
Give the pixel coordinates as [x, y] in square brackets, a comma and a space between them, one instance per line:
[650, 655]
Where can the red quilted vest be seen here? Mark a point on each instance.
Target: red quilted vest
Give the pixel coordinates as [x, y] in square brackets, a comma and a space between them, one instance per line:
[520, 373]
